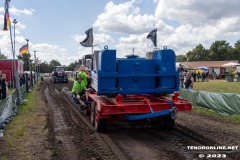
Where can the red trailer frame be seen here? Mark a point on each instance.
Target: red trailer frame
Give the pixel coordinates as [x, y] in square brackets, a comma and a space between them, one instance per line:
[105, 109]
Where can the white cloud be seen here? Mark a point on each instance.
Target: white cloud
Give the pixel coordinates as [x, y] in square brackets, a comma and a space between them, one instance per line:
[125, 18]
[197, 12]
[182, 25]
[48, 52]
[15, 11]
[140, 44]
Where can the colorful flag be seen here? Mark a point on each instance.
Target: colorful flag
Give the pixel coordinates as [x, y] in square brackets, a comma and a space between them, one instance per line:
[88, 41]
[7, 21]
[23, 49]
[153, 36]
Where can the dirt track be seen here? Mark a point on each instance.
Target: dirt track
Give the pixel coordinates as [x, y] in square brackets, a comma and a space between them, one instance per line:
[70, 138]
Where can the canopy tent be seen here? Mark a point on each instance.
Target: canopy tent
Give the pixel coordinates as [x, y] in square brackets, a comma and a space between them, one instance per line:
[203, 68]
[230, 64]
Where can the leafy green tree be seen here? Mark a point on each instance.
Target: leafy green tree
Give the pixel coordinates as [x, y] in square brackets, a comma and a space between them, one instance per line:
[236, 50]
[181, 58]
[199, 53]
[71, 67]
[55, 63]
[45, 67]
[25, 59]
[2, 56]
[219, 51]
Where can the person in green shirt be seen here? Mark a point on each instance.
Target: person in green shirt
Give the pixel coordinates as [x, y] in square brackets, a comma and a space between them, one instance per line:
[78, 90]
[84, 75]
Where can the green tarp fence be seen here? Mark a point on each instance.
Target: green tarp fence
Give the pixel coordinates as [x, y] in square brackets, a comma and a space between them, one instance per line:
[228, 103]
[9, 105]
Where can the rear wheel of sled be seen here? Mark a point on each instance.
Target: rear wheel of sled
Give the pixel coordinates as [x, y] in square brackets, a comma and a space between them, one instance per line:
[168, 122]
[87, 112]
[93, 113]
[101, 124]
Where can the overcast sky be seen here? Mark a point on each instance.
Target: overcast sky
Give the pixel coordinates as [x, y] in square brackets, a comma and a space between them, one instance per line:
[55, 27]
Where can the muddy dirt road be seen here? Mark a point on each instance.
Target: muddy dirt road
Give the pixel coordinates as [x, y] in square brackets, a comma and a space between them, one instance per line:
[71, 137]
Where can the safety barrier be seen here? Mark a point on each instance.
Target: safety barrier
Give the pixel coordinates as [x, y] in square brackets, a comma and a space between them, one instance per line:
[8, 106]
[227, 103]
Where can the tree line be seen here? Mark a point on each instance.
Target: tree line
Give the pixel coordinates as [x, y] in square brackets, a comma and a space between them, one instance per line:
[218, 51]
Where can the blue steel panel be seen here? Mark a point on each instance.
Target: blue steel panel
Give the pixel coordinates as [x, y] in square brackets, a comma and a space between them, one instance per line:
[136, 75]
[107, 64]
[136, 66]
[165, 63]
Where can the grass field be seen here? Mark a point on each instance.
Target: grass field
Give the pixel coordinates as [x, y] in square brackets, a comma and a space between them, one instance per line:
[218, 86]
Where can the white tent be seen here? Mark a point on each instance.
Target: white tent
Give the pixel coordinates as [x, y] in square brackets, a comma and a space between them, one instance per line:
[230, 64]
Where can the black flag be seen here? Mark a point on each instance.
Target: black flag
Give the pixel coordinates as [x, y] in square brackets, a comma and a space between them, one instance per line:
[88, 41]
[153, 36]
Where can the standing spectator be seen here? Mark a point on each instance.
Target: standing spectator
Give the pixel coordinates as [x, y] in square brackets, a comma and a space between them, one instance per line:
[181, 78]
[180, 68]
[207, 75]
[0, 85]
[214, 75]
[189, 81]
[198, 75]
[194, 75]
[4, 86]
[203, 76]
[238, 75]
[21, 80]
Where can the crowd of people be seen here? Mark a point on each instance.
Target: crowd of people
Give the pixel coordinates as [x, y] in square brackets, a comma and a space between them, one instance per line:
[4, 84]
[187, 79]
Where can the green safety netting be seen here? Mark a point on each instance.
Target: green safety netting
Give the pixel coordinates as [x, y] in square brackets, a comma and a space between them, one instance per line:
[228, 103]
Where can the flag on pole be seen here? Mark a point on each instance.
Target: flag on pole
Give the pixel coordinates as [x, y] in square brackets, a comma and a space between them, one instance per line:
[23, 49]
[7, 21]
[153, 36]
[88, 41]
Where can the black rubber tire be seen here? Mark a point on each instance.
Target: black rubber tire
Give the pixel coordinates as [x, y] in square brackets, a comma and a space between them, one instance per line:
[101, 125]
[87, 112]
[168, 122]
[93, 113]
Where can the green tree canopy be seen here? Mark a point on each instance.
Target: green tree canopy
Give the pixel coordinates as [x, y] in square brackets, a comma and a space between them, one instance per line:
[236, 50]
[181, 58]
[199, 53]
[55, 63]
[2, 56]
[219, 51]
[25, 59]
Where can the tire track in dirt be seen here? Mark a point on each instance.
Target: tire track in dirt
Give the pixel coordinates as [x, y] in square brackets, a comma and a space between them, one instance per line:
[84, 141]
[65, 145]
